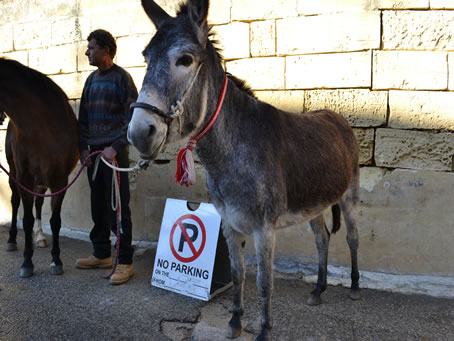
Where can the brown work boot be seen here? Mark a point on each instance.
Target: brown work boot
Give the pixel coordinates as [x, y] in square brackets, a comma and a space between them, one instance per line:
[123, 272]
[93, 262]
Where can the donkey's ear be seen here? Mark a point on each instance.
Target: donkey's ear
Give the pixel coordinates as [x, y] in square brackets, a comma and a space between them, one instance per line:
[198, 12]
[154, 12]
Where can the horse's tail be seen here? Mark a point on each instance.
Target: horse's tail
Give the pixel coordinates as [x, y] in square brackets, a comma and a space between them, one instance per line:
[335, 210]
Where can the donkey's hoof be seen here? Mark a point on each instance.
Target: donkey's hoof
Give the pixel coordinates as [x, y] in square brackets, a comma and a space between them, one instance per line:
[26, 272]
[355, 294]
[313, 300]
[265, 335]
[11, 246]
[42, 243]
[233, 333]
[56, 269]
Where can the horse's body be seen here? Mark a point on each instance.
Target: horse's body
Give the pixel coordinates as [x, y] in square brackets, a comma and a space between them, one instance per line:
[41, 147]
[265, 167]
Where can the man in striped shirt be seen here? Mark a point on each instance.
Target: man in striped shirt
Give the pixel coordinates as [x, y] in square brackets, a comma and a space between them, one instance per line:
[103, 118]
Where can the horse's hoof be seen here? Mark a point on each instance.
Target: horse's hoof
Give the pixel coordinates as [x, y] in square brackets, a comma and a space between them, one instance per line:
[42, 243]
[26, 272]
[265, 335]
[313, 300]
[11, 246]
[233, 333]
[56, 269]
[355, 294]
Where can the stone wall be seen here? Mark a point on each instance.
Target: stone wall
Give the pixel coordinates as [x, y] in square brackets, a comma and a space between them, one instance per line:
[385, 65]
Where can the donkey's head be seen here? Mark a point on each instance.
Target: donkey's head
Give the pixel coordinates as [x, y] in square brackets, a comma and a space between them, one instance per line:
[172, 103]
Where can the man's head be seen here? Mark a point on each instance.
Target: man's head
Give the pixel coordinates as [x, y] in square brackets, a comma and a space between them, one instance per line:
[101, 48]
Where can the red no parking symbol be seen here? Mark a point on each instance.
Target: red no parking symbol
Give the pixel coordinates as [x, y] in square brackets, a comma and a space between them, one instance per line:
[184, 226]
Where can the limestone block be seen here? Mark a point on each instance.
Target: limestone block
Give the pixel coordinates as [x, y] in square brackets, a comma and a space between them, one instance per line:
[369, 177]
[89, 6]
[360, 107]
[263, 38]
[410, 70]
[20, 56]
[219, 12]
[310, 7]
[72, 84]
[129, 50]
[341, 32]
[365, 138]
[418, 30]
[259, 10]
[75, 104]
[414, 149]
[261, 73]
[44, 60]
[421, 110]
[340, 70]
[69, 30]
[140, 23]
[233, 40]
[41, 10]
[82, 60]
[292, 101]
[15, 11]
[451, 71]
[442, 4]
[6, 38]
[137, 74]
[115, 20]
[32, 35]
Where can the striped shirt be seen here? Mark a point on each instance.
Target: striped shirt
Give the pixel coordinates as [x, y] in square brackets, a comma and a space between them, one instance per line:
[104, 108]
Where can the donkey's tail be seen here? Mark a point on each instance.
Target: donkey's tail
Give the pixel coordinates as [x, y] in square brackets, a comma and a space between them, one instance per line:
[335, 210]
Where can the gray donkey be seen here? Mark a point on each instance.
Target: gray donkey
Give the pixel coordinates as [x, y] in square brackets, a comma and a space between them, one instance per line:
[266, 168]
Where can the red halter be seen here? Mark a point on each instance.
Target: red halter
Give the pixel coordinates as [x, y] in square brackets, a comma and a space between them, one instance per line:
[185, 174]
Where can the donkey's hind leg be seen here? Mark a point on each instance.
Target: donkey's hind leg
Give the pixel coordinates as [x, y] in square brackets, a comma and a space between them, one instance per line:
[348, 205]
[40, 239]
[56, 266]
[11, 245]
[322, 240]
[235, 243]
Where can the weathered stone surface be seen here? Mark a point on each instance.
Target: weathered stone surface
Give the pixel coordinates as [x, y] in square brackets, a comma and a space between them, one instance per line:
[129, 50]
[329, 33]
[116, 20]
[451, 71]
[72, 84]
[6, 38]
[361, 107]
[258, 9]
[421, 110]
[410, 70]
[414, 149]
[369, 177]
[32, 35]
[140, 23]
[339, 70]
[310, 7]
[44, 60]
[137, 74]
[292, 101]
[263, 38]
[442, 4]
[70, 30]
[365, 138]
[219, 12]
[260, 73]
[418, 30]
[233, 40]
[20, 56]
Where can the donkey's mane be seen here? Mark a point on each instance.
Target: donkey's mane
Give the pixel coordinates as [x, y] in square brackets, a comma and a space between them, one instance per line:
[240, 83]
[43, 85]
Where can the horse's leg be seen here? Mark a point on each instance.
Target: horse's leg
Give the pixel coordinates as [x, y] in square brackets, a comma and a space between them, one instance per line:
[235, 243]
[56, 266]
[11, 245]
[322, 240]
[348, 205]
[264, 246]
[40, 239]
[27, 201]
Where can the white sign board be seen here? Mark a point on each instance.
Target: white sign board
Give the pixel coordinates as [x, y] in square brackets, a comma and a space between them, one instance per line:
[187, 249]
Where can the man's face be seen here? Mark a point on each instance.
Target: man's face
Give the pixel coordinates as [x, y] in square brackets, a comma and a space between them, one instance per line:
[95, 53]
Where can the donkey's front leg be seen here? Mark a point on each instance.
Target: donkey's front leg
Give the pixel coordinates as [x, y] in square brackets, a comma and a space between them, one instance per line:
[235, 242]
[264, 246]
[322, 241]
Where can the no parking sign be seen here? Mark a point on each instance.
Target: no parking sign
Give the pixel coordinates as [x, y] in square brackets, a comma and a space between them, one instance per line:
[191, 257]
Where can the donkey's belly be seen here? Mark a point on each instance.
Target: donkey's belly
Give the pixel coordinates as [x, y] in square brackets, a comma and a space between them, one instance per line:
[290, 218]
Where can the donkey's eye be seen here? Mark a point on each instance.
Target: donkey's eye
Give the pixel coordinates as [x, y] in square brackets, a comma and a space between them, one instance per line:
[185, 60]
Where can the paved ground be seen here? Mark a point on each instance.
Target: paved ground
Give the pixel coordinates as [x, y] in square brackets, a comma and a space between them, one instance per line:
[81, 305]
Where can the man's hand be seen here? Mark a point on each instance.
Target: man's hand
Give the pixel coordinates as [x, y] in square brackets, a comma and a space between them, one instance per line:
[109, 153]
[83, 155]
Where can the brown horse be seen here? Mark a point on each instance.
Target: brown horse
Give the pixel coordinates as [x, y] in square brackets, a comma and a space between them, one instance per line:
[41, 147]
